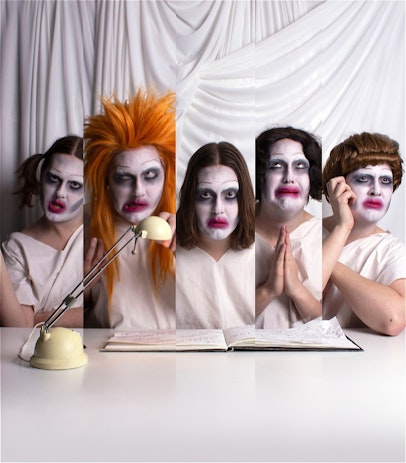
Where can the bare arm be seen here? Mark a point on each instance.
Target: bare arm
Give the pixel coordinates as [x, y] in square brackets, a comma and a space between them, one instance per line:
[72, 318]
[12, 313]
[341, 196]
[18, 315]
[380, 307]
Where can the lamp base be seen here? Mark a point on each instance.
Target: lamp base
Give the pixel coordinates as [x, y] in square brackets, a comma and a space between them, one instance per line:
[58, 349]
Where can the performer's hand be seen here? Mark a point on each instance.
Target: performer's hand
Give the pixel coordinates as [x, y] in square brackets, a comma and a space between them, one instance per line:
[291, 273]
[275, 279]
[341, 197]
[171, 219]
[92, 256]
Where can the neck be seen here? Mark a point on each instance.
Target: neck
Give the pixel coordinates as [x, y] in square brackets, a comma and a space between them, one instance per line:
[215, 248]
[363, 230]
[269, 225]
[359, 230]
[57, 234]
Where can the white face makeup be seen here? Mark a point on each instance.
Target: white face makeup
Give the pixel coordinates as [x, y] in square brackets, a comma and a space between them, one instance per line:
[373, 187]
[136, 183]
[217, 201]
[62, 188]
[287, 181]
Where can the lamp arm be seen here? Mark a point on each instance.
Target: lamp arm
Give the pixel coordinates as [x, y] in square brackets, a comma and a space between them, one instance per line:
[90, 276]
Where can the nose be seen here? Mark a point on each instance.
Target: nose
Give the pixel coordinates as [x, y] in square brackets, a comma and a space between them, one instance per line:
[288, 174]
[218, 207]
[61, 191]
[375, 188]
[138, 188]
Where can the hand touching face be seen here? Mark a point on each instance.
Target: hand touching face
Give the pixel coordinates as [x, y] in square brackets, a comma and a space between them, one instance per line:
[373, 188]
[217, 201]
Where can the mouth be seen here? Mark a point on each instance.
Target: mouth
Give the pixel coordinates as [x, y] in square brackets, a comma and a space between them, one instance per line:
[56, 206]
[373, 204]
[135, 206]
[291, 192]
[217, 223]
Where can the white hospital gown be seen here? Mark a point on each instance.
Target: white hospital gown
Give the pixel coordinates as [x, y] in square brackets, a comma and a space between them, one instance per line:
[214, 294]
[134, 304]
[306, 242]
[379, 257]
[43, 276]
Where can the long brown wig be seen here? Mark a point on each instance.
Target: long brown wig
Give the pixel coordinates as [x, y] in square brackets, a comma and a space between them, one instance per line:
[212, 154]
[147, 119]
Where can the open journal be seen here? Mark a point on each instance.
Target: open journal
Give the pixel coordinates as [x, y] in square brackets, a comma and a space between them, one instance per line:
[317, 334]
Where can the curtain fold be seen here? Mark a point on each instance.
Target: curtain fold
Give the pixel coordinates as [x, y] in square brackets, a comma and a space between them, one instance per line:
[330, 67]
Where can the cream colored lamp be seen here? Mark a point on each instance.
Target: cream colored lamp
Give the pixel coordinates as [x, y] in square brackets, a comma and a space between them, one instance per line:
[62, 348]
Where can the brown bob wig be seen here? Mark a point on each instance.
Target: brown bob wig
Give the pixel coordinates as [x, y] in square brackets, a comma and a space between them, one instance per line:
[213, 154]
[311, 149]
[144, 120]
[361, 150]
[27, 172]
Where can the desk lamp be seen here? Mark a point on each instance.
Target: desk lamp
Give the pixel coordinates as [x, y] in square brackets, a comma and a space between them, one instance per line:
[62, 348]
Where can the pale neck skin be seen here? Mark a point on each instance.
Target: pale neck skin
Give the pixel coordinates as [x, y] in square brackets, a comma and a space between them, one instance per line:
[358, 231]
[215, 248]
[269, 226]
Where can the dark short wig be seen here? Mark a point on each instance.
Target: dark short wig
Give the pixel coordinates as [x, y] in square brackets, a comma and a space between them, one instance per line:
[311, 149]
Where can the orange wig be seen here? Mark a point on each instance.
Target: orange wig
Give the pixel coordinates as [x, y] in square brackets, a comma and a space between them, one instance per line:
[145, 120]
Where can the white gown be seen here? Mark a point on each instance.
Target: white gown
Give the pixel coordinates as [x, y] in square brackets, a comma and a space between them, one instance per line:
[43, 276]
[134, 303]
[306, 242]
[214, 294]
[379, 257]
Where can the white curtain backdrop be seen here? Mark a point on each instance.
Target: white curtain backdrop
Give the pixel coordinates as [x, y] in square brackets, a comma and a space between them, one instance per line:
[238, 67]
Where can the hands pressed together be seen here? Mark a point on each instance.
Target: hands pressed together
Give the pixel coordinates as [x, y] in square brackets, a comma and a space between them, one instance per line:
[284, 278]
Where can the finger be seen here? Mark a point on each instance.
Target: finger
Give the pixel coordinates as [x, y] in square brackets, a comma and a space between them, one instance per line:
[91, 250]
[332, 184]
[171, 219]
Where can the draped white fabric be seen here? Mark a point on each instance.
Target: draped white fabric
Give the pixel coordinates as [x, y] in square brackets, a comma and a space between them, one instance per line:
[238, 67]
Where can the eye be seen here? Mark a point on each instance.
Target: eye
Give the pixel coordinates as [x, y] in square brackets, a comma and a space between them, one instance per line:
[75, 185]
[301, 164]
[386, 180]
[122, 178]
[51, 178]
[274, 165]
[204, 195]
[362, 179]
[151, 174]
[231, 194]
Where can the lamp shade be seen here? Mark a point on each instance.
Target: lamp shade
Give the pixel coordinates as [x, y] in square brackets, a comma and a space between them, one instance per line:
[154, 228]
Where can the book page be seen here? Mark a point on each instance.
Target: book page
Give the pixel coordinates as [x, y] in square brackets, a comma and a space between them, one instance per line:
[200, 339]
[144, 337]
[240, 335]
[316, 333]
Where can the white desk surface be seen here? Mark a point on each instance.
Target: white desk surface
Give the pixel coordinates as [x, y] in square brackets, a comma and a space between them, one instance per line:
[235, 406]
